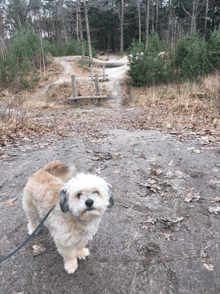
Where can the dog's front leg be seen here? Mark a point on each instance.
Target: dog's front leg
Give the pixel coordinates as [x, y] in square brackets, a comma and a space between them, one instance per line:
[71, 265]
[70, 261]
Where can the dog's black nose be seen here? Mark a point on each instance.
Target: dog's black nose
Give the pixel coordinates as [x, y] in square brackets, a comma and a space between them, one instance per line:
[89, 202]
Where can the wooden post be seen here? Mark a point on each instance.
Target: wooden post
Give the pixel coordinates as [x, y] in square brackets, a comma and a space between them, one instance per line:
[219, 101]
[74, 86]
[97, 90]
[103, 72]
[91, 72]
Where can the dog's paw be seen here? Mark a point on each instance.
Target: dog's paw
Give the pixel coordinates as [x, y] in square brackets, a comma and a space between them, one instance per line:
[71, 266]
[82, 253]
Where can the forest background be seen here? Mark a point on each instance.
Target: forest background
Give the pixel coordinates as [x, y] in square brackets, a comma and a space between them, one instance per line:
[186, 31]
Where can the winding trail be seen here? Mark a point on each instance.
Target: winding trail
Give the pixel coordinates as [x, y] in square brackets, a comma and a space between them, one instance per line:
[115, 74]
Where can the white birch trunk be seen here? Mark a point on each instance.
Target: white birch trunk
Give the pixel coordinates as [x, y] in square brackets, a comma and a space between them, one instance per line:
[81, 32]
[122, 27]
[147, 23]
[88, 32]
[206, 14]
[139, 20]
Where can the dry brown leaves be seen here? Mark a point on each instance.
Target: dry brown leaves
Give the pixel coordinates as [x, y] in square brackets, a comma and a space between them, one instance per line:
[10, 202]
[46, 76]
[38, 249]
[56, 98]
[21, 128]
[81, 69]
[186, 110]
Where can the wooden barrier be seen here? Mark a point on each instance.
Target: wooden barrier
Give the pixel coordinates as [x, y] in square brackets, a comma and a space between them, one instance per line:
[97, 97]
[102, 77]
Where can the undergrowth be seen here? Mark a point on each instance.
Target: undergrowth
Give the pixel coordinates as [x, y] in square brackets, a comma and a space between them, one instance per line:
[192, 58]
[200, 97]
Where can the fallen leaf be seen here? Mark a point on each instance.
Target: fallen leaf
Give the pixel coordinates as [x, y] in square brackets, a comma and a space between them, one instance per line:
[169, 222]
[175, 220]
[180, 174]
[190, 148]
[168, 236]
[10, 202]
[197, 151]
[151, 220]
[27, 139]
[171, 163]
[203, 254]
[209, 267]
[214, 210]
[127, 243]
[157, 172]
[216, 199]
[89, 151]
[96, 158]
[38, 248]
[192, 198]
[98, 170]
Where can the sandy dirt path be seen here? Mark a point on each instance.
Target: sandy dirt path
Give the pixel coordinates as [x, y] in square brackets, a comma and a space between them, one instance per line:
[115, 75]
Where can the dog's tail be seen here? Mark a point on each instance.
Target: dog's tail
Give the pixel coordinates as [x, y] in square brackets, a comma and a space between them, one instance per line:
[59, 169]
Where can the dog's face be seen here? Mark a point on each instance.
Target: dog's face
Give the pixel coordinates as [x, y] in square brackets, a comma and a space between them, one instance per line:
[86, 196]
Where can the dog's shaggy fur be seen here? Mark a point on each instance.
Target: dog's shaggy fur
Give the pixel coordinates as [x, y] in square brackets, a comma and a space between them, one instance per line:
[82, 201]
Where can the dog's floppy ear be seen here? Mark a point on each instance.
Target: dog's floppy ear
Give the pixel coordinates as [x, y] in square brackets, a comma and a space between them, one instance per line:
[110, 193]
[63, 201]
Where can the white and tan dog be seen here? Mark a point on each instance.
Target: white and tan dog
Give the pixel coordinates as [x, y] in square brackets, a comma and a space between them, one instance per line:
[83, 200]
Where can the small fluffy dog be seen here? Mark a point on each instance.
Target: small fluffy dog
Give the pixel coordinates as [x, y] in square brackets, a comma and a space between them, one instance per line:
[82, 202]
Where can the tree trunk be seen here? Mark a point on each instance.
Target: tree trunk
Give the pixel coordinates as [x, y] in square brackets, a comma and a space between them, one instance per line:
[88, 32]
[147, 23]
[193, 19]
[152, 16]
[2, 38]
[77, 24]
[206, 14]
[139, 20]
[122, 27]
[169, 21]
[81, 32]
[63, 23]
[42, 50]
[157, 12]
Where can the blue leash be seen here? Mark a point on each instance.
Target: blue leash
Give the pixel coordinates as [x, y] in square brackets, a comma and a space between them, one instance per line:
[30, 237]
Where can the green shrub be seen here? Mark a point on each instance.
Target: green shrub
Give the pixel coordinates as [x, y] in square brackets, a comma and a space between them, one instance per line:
[191, 57]
[21, 58]
[148, 70]
[24, 45]
[49, 48]
[154, 44]
[147, 67]
[71, 47]
[214, 49]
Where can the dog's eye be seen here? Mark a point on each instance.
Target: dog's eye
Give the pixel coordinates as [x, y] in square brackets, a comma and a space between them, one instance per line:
[95, 192]
[79, 195]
